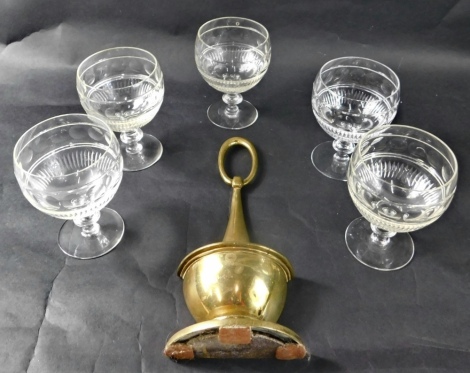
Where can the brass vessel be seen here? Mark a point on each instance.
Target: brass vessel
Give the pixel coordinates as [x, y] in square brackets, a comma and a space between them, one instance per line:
[235, 290]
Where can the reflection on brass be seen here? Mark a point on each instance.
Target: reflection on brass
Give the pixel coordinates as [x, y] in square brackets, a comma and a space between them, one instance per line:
[235, 290]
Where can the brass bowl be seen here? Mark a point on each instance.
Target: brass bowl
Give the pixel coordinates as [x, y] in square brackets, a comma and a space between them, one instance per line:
[227, 279]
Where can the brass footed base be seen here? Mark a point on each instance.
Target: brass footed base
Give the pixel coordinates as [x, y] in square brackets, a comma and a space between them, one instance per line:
[235, 337]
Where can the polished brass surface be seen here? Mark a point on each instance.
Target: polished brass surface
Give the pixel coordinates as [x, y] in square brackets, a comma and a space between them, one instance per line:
[236, 227]
[223, 152]
[236, 280]
[236, 284]
[280, 259]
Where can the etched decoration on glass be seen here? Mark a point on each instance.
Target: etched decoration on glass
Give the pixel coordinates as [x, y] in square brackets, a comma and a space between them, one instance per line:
[124, 87]
[401, 179]
[70, 167]
[232, 54]
[351, 95]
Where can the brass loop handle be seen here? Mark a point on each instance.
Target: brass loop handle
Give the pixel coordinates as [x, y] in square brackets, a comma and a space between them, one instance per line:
[254, 159]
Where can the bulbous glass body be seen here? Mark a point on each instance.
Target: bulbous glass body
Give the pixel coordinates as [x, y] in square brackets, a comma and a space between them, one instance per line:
[70, 167]
[232, 55]
[351, 96]
[124, 87]
[401, 179]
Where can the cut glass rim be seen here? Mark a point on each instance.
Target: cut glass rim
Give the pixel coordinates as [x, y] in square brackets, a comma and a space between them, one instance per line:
[94, 121]
[152, 59]
[264, 32]
[392, 73]
[378, 132]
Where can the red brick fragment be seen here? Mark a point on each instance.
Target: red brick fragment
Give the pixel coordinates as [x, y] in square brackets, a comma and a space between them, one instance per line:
[180, 351]
[235, 334]
[290, 351]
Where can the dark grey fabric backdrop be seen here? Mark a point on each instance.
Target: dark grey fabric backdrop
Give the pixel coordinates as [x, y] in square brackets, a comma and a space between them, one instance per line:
[114, 314]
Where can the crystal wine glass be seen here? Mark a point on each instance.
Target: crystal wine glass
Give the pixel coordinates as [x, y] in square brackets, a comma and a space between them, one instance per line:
[401, 179]
[70, 167]
[232, 55]
[351, 95]
[124, 87]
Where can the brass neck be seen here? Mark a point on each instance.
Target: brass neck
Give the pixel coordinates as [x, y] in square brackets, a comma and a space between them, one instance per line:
[236, 228]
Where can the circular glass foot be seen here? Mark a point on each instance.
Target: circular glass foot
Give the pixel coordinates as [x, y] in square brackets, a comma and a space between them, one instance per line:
[396, 254]
[245, 117]
[324, 161]
[73, 244]
[151, 152]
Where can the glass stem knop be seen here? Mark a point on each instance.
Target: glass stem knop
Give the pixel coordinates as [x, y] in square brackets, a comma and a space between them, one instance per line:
[343, 150]
[232, 100]
[131, 139]
[89, 224]
[381, 236]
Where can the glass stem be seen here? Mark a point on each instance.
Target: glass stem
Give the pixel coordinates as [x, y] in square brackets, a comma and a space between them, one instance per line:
[343, 150]
[89, 224]
[131, 139]
[381, 236]
[232, 100]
